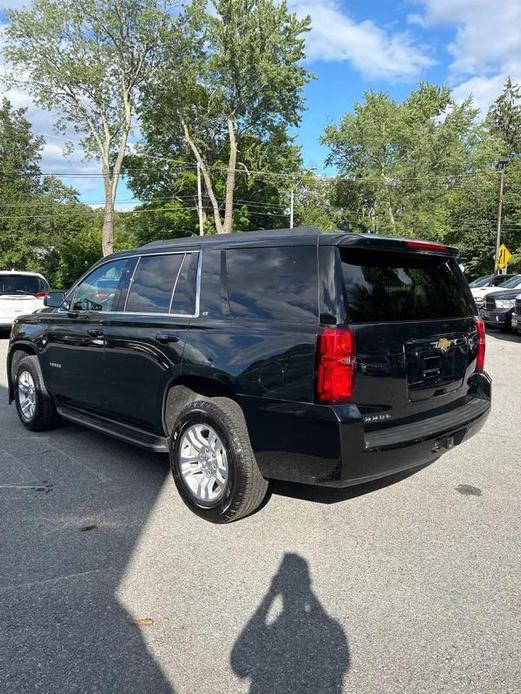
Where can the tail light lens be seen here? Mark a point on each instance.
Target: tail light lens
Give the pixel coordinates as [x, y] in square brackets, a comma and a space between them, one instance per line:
[336, 363]
[480, 351]
[40, 295]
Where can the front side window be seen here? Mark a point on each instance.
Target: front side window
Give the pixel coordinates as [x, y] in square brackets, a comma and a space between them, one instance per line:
[98, 290]
[153, 283]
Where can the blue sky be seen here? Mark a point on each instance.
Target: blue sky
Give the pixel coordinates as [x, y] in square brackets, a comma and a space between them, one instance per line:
[355, 45]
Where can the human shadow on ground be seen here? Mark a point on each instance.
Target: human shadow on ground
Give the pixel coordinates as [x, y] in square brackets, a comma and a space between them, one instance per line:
[73, 506]
[291, 644]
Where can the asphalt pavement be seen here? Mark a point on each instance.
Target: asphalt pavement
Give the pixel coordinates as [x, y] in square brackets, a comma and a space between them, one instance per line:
[109, 584]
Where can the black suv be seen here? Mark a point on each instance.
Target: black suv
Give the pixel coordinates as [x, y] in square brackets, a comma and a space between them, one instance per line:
[328, 359]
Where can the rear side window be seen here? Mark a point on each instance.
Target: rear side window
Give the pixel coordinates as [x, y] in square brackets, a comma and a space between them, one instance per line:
[22, 284]
[272, 283]
[153, 283]
[387, 287]
[183, 301]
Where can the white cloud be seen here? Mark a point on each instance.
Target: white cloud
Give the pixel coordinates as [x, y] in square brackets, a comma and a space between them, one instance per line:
[486, 46]
[375, 52]
[488, 34]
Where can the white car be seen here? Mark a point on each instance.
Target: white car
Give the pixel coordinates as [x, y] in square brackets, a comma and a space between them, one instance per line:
[20, 293]
[479, 293]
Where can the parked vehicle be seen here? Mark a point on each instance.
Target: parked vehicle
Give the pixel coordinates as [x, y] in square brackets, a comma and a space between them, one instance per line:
[480, 288]
[20, 292]
[498, 308]
[328, 359]
[516, 315]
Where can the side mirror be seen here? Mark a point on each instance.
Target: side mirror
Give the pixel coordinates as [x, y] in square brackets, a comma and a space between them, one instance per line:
[54, 299]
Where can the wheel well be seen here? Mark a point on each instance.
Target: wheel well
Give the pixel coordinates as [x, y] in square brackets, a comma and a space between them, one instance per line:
[185, 390]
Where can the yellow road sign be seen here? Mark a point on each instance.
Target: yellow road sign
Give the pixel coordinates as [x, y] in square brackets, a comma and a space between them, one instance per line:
[503, 257]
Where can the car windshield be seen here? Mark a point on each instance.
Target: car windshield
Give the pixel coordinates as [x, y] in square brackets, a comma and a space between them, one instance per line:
[513, 283]
[481, 282]
[20, 284]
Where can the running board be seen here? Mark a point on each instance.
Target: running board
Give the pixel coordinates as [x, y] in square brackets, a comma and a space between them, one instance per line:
[123, 432]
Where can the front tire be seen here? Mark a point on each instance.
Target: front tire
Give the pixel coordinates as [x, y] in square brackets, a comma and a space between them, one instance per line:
[212, 461]
[35, 408]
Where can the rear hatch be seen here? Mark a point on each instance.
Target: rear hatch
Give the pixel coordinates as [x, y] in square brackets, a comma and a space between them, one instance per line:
[413, 317]
[20, 294]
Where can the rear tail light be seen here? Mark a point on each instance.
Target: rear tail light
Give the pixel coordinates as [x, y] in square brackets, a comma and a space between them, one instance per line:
[480, 351]
[426, 245]
[40, 295]
[336, 363]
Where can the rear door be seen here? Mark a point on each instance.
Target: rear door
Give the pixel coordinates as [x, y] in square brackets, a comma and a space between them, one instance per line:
[145, 337]
[412, 314]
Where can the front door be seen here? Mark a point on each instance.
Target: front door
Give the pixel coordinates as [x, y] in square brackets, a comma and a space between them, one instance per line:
[73, 358]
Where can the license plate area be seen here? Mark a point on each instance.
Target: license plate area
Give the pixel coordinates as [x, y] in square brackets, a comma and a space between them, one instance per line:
[435, 366]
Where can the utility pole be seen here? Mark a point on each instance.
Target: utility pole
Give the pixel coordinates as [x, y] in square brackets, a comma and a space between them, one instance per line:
[291, 209]
[200, 201]
[501, 166]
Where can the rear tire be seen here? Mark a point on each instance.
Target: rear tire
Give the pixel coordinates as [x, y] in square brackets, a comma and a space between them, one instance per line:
[34, 405]
[212, 461]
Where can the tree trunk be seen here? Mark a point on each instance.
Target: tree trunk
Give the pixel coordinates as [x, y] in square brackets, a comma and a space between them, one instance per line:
[230, 179]
[206, 178]
[107, 239]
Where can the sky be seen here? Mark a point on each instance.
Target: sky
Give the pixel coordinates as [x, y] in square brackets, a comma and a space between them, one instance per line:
[354, 46]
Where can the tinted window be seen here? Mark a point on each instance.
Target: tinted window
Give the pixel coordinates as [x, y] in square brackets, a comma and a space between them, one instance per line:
[481, 282]
[512, 283]
[396, 287]
[97, 291]
[21, 284]
[184, 294]
[273, 283]
[153, 283]
[499, 280]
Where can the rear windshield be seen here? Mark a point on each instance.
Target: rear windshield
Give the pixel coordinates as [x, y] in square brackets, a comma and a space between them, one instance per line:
[21, 284]
[398, 287]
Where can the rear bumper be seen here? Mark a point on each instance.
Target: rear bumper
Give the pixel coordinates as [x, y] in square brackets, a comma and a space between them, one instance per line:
[329, 446]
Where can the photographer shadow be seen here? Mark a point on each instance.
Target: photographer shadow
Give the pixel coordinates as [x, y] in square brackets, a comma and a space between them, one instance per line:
[291, 644]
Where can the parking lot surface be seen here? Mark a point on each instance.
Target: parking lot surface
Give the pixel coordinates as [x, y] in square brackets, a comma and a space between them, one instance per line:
[109, 584]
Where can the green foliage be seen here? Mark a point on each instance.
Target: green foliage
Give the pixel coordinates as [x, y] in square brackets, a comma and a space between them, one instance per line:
[42, 226]
[505, 118]
[230, 85]
[88, 59]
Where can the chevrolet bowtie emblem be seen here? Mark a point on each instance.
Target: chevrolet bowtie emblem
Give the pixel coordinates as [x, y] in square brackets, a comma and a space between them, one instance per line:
[443, 344]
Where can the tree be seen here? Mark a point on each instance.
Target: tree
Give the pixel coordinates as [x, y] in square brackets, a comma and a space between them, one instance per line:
[43, 227]
[398, 161]
[237, 80]
[505, 117]
[88, 59]
[162, 174]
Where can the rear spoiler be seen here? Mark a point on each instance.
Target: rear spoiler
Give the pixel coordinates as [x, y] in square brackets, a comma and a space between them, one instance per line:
[372, 241]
